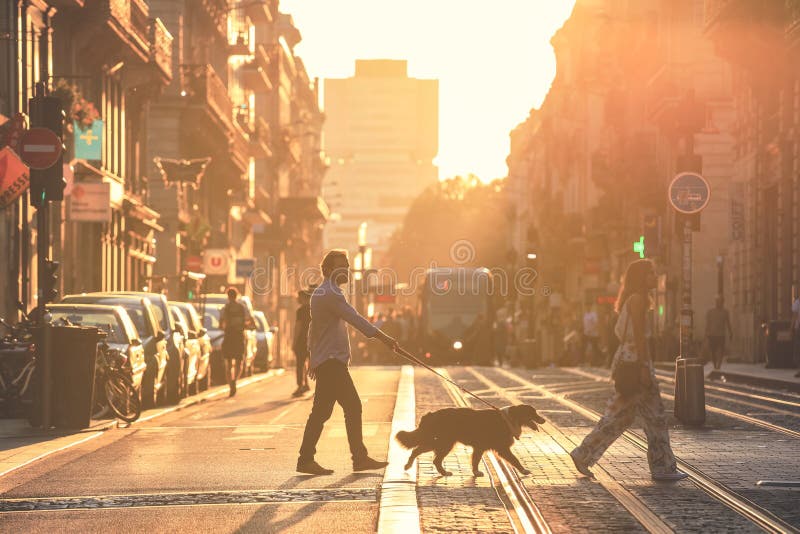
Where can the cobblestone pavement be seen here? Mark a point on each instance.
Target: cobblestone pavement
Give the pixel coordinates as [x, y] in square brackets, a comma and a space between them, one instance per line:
[735, 454]
[190, 498]
[461, 502]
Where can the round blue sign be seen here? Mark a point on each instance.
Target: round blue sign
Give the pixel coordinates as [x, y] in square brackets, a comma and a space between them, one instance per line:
[689, 193]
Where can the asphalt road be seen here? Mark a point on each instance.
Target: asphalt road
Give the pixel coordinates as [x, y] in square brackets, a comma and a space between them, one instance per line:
[224, 465]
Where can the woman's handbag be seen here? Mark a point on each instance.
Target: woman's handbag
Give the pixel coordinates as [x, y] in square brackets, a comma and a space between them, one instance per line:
[627, 373]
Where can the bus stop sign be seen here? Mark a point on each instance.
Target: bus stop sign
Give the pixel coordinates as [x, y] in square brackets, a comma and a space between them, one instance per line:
[689, 193]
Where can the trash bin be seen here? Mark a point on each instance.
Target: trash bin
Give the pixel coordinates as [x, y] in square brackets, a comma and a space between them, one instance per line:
[779, 344]
[690, 397]
[73, 354]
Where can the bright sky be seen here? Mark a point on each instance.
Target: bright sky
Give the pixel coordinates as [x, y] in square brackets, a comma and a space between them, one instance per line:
[493, 60]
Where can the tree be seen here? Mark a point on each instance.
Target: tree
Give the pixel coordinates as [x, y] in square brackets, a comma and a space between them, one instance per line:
[457, 222]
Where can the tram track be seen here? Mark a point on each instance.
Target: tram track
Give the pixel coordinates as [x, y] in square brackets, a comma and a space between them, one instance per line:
[638, 509]
[666, 375]
[715, 409]
[754, 513]
[523, 513]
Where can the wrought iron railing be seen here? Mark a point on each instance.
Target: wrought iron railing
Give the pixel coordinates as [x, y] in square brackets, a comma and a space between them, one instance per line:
[203, 85]
[161, 47]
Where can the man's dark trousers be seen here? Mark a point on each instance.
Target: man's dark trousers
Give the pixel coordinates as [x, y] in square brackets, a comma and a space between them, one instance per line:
[300, 367]
[334, 384]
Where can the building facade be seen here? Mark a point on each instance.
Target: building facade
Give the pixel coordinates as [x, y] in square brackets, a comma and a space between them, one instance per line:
[193, 131]
[639, 96]
[381, 136]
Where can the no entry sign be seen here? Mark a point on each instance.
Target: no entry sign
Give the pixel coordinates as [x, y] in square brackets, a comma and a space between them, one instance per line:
[689, 193]
[40, 148]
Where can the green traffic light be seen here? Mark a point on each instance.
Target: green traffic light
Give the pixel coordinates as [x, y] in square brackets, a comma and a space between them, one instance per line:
[638, 246]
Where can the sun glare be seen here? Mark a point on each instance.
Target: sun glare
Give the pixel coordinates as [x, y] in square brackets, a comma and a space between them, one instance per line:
[493, 63]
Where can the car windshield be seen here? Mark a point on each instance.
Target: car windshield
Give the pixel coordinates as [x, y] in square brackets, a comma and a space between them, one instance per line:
[105, 321]
[132, 305]
[211, 317]
[190, 313]
[160, 319]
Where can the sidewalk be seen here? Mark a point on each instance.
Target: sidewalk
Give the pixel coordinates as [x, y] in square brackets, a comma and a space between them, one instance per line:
[21, 445]
[755, 374]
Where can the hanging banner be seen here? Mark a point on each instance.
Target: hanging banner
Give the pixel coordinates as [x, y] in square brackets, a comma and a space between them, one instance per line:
[88, 141]
[14, 177]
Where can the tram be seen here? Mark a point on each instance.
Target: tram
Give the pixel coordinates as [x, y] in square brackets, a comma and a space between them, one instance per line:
[456, 314]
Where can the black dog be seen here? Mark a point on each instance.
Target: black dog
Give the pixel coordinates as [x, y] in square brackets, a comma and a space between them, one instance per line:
[483, 430]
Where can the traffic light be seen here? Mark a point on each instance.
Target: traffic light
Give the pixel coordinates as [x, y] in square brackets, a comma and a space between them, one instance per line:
[47, 184]
[50, 281]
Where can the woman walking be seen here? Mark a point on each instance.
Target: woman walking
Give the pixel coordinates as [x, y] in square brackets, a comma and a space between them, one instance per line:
[634, 382]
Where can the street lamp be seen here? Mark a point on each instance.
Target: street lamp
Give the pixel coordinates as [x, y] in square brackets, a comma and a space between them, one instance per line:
[360, 263]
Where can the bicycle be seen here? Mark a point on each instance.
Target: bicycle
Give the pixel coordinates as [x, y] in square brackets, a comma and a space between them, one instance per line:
[18, 370]
[114, 389]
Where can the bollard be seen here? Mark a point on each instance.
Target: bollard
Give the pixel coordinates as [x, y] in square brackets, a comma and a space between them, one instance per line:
[690, 400]
[694, 397]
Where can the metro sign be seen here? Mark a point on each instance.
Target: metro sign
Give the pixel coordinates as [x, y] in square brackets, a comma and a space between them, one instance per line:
[216, 261]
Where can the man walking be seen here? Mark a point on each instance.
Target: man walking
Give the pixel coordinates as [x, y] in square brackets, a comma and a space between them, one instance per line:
[718, 323]
[330, 354]
[233, 320]
[300, 342]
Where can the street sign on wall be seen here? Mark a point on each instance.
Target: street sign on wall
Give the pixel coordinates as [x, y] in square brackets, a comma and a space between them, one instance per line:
[245, 267]
[40, 148]
[689, 193]
[90, 202]
[88, 141]
[216, 261]
[14, 177]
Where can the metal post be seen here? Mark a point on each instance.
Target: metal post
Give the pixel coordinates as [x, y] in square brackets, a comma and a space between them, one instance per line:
[687, 323]
[45, 353]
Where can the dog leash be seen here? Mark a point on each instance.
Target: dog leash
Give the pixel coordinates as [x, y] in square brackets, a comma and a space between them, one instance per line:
[407, 355]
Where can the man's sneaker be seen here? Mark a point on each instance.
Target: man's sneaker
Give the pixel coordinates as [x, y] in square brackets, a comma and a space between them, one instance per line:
[304, 389]
[580, 465]
[368, 464]
[312, 468]
[669, 477]
[298, 392]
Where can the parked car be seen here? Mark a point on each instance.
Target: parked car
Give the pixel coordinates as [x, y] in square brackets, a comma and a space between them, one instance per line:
[198, 331]
[191, 349]
[211, 313]
[143, 315]
[215, 302]
[175, 342]
[121, 333]
[265, 342]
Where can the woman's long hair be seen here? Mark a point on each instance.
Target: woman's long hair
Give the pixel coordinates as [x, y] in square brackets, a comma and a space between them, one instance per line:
[635, 281]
